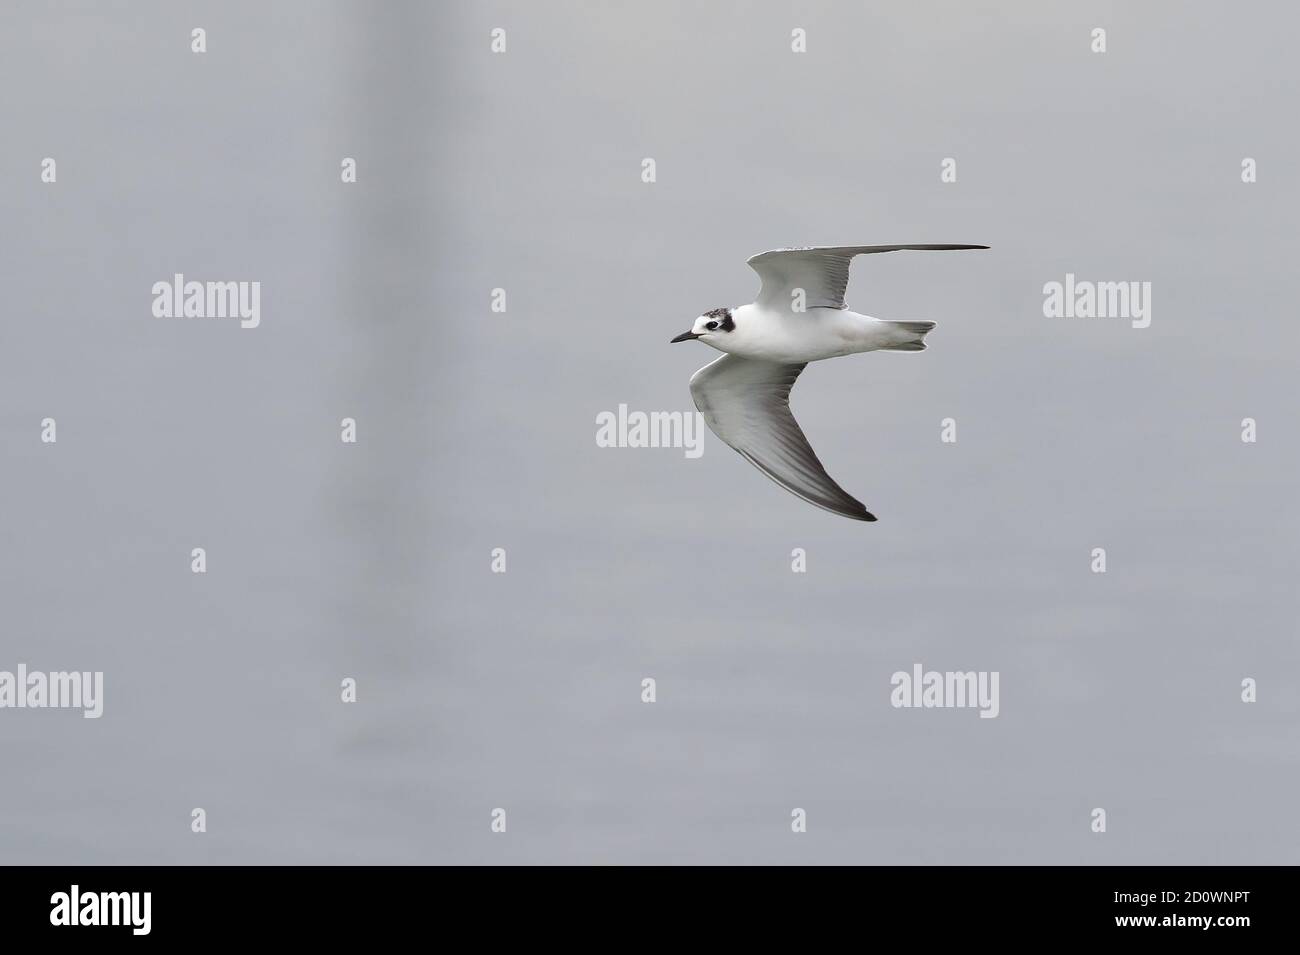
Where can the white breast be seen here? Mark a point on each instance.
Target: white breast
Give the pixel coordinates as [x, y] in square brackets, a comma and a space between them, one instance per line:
[797, 336]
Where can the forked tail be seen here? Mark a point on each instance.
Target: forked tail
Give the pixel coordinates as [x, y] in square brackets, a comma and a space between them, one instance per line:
[910, 335]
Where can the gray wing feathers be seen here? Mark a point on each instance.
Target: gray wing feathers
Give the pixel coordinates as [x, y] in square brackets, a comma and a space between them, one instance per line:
[822, 272]
[746, 403]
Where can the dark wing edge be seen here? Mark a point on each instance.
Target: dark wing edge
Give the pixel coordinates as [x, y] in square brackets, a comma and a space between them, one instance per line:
[746, 405]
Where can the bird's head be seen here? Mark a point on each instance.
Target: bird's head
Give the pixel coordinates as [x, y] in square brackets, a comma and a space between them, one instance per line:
[709, 326]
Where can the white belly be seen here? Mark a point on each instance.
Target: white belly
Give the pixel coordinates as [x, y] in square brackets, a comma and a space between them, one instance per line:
[802, 337]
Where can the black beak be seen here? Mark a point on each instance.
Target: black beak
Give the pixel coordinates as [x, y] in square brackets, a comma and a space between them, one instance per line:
[683, 337]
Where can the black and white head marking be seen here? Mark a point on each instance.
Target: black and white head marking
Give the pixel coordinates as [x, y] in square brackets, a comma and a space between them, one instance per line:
[720, 319]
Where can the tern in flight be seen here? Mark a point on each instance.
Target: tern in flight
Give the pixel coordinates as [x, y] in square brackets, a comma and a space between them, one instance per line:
[798, 317]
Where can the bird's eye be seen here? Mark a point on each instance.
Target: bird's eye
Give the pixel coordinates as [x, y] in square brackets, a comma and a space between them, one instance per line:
[711, 325]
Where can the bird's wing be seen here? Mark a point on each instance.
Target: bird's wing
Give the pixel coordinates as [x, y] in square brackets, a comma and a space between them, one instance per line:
[823, 273]
[747, 404]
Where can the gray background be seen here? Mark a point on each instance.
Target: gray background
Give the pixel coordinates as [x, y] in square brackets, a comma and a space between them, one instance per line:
[477, 431]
